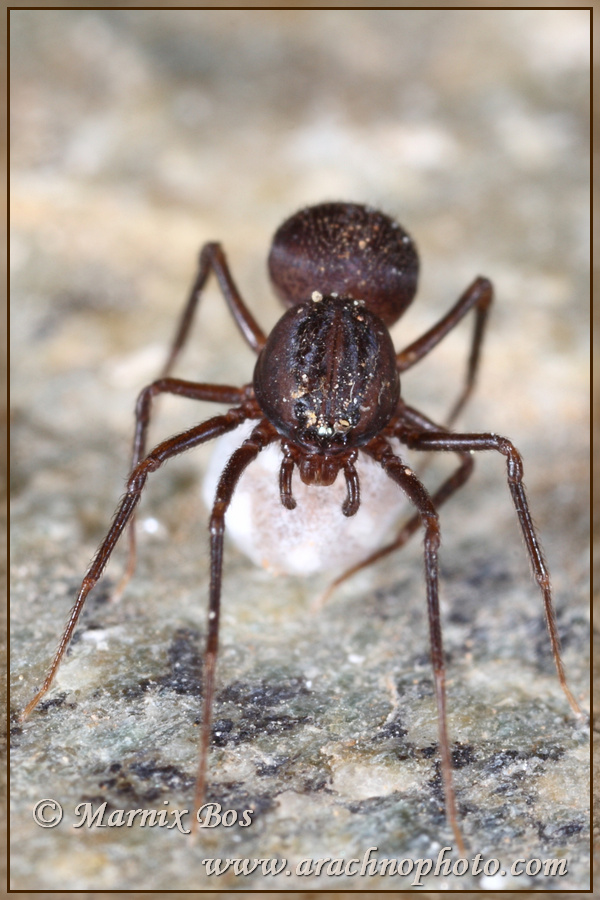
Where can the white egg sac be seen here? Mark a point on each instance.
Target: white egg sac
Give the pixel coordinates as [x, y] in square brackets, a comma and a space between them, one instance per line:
[314, 536]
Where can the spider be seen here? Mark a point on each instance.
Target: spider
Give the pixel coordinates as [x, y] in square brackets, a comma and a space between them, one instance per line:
[326, 386]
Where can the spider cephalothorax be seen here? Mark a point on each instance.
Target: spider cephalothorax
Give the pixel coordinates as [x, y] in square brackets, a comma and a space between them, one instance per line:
[327, 376]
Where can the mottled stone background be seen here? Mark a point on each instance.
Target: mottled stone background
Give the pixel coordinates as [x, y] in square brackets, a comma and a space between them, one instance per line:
[137, 136]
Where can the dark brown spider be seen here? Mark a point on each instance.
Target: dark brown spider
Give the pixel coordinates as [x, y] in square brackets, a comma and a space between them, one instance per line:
[326, 385]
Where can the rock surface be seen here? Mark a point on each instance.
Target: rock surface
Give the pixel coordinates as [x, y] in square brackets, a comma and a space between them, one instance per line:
[137, 136]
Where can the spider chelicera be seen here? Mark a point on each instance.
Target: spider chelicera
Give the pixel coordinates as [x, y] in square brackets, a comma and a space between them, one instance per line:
[326, 387]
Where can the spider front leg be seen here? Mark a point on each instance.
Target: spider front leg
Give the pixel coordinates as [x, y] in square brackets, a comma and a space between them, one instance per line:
[261, 436]
[411, 418]
[514, 463]
[381, 451]
[213, 393]
[208, 430]
[212, 258]
[478, 296]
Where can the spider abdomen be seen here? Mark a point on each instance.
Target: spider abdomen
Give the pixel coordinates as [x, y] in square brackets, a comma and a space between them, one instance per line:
[349, 249]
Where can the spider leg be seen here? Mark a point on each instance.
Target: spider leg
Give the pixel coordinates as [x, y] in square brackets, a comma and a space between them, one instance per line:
[286, 472]
[263, 434]
[407, 416]
[213, 258]
[475, 442]
[212, 393]
[408, 482]
[478, 296]
[208, 430]
[215, 393]
[352, 502]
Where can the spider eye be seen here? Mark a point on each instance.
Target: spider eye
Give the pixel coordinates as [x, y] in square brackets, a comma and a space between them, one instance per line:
[325, 431]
